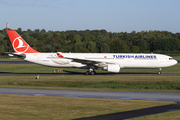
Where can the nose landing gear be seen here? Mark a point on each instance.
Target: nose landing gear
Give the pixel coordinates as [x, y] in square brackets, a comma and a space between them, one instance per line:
[159, 72]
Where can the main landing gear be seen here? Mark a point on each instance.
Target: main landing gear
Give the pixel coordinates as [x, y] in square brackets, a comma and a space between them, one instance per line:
[91, 72]
[159, 72]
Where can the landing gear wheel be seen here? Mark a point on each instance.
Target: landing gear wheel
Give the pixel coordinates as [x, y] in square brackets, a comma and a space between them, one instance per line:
[159, 71]
[93, 72]
[88, 73]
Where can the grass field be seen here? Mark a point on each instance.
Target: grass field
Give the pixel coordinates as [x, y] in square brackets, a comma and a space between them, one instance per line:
[20, 107]
[10, 59]
[24, 107]
[96, 83]
[176, 57]
[108, 83]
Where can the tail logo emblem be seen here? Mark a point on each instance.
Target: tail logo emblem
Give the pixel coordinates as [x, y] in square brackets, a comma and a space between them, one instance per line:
[19, 45]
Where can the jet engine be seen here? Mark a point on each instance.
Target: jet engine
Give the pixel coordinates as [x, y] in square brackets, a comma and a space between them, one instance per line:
[112, 68]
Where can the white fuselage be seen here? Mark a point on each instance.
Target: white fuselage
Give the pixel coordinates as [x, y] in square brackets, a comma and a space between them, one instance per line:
[124, 60]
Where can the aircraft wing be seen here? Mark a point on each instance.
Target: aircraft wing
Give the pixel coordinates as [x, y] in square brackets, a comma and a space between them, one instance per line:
[85, 61]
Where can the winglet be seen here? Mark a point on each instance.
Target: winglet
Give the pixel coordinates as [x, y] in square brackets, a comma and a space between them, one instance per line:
[59, 55]
[19, 45]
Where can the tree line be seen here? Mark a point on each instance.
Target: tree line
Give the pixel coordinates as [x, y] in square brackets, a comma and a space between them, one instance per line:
[95, 41]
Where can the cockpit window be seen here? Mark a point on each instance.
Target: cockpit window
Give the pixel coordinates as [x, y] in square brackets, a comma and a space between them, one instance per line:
[170, 58]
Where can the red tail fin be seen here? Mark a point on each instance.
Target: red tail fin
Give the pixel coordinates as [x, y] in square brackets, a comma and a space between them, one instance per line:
[19, 45]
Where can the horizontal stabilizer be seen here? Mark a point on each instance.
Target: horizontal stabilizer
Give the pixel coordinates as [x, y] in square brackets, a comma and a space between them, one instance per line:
[19, 55]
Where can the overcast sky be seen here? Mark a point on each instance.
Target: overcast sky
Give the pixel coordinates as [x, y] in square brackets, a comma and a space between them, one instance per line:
[111, 15]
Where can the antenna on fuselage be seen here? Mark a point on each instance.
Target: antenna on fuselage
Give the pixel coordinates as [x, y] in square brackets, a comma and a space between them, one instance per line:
[7, 25]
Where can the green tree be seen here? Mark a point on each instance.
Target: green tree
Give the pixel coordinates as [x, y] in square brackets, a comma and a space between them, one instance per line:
[116, 46]
[135, 49]
[105, 48]
[1, 49]
[43, 31]
[19, 31]
[77, 37]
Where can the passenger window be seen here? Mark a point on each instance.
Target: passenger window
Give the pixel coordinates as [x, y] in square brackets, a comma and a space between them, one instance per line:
[170, 58]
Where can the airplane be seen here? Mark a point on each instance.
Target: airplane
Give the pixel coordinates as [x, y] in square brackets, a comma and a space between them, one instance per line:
[111, 62]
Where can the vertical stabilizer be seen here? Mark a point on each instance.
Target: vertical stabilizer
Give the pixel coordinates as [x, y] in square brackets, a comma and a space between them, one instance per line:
[19, 45]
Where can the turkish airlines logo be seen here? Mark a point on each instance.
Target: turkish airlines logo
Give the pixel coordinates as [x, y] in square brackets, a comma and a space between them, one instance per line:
[20, 45]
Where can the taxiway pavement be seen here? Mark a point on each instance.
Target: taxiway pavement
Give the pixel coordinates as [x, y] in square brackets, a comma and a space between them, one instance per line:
[95, 94]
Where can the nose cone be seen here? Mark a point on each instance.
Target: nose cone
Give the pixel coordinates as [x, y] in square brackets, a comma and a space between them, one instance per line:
[175, 62]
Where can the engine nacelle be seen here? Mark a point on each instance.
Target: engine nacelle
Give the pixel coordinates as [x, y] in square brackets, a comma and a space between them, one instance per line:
[112, 68]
